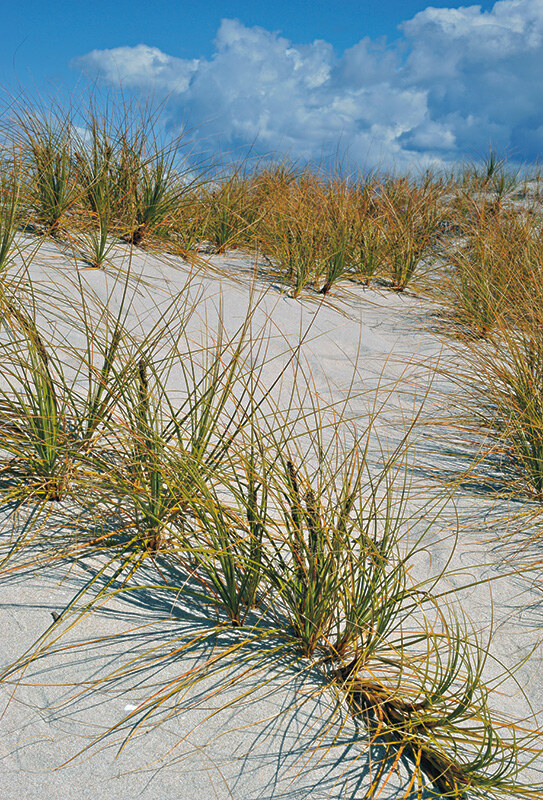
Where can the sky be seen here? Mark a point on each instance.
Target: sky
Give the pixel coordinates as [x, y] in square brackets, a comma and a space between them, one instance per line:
[396, 83]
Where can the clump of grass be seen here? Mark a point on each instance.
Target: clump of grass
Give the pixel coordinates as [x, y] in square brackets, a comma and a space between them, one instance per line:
[58, 404]
[127, 171]
[147, 469]
[94, 167]
[290, 233]
[55, 194]
[332, 568]
[157, 195]
[317, 233]
[368, 246]
[34, 427]
[429, 706]
[510, 368]
[411, 215]
[497, 268]
[494, 178]
[338, 231]
[228, 215]
[44, 142]
[10, 216]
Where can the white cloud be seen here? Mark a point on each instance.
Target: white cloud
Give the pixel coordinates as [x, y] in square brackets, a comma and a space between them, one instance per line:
[140, 67]
[457, 79]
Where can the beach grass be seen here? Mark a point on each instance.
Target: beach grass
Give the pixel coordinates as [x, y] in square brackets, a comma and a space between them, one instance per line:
[261, 514]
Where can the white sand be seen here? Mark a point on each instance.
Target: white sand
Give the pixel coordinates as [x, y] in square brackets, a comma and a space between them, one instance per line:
[283, 740]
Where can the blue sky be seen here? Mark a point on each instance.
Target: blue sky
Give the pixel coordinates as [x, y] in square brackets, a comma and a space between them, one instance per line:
[41, 37]
[395, 82]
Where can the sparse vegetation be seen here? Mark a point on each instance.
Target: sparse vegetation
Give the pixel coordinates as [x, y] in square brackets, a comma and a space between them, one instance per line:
[300, 547]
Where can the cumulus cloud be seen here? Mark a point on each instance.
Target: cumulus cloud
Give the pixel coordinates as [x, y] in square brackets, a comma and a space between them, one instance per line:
[454, 81]
[140, 67]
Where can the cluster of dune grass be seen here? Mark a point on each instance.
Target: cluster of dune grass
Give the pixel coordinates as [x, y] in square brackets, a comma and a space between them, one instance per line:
[494, 292]
[298, 546]
[108, 172]
[112, 175]
[278, 528]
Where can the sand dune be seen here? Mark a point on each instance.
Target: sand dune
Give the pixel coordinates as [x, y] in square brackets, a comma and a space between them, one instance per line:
[282, 735]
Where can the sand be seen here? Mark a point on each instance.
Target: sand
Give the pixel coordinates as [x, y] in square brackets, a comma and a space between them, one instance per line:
[364, 349]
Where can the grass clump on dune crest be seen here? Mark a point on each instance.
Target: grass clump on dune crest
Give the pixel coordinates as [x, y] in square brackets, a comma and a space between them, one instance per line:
[228, 211]
[497, 268]
[291, 232]
[496, 293]
[508, 406]
[95, 164]
[95, 171]
[412, 214]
